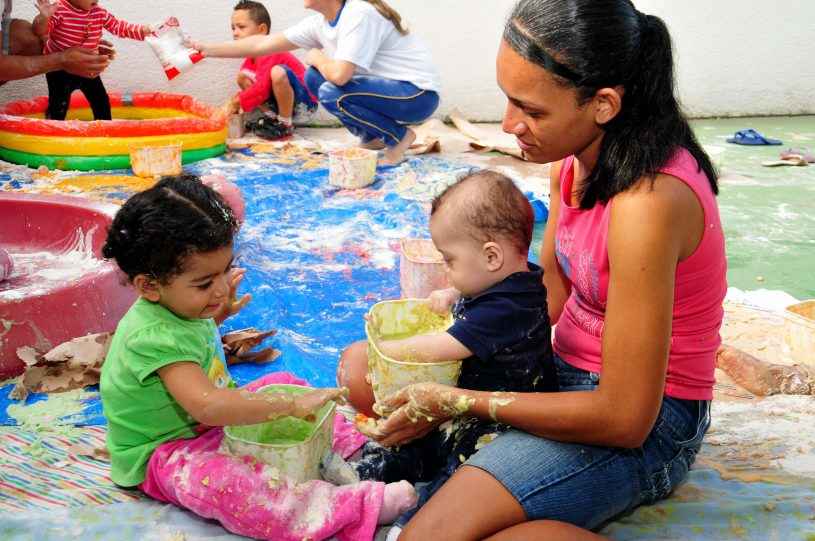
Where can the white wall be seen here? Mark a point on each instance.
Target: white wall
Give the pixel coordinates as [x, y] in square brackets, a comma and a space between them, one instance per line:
[734, 57]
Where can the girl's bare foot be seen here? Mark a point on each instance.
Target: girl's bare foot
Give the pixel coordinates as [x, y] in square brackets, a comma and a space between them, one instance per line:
[373, 144]
[396, 155]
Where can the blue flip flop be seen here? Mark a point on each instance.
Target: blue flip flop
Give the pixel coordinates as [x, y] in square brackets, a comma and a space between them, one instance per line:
[751, 137]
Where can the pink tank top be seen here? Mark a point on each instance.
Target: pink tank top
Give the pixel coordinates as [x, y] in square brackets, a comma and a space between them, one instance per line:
[701, 283]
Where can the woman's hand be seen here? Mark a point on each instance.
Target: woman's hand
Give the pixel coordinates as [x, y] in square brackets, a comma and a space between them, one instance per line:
[233, 305]
[106, 48]
[442, 300]
[315, 57]
[418, 409]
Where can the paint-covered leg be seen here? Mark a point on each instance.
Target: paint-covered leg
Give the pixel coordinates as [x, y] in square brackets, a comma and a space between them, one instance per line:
[249, 498]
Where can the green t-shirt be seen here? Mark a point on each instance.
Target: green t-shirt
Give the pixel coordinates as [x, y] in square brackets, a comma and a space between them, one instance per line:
[141, 413]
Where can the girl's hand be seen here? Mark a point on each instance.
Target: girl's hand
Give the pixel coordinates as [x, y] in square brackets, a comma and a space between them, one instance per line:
[147, 30]
[306, 405]
[46, 8]
[233, 305]
[418, 409]
[442, 300]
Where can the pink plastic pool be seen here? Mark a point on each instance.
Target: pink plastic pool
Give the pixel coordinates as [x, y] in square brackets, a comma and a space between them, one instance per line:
[60, 287]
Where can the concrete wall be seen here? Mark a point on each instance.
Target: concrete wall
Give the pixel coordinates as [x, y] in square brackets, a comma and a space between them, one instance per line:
[734, 57]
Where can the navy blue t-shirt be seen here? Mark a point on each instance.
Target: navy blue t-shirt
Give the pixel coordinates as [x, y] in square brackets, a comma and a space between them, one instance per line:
[507, 328]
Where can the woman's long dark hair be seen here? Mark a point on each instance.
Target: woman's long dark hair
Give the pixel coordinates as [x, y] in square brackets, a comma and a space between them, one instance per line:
[594, 44]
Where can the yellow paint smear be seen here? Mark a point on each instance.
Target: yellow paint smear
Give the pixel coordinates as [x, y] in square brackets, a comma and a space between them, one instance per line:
[94, 182]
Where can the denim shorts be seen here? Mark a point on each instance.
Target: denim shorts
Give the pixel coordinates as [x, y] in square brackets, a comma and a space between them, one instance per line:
[589, 485]
[302, 97]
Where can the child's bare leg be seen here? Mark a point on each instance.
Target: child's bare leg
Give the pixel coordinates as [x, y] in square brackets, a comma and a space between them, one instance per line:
[352, 373]
[283, 92]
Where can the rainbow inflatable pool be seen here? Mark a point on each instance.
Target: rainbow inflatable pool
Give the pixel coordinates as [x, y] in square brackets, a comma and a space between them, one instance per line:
[79, 143]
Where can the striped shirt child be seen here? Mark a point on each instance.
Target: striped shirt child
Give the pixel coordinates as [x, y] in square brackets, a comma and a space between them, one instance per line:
[74, 27]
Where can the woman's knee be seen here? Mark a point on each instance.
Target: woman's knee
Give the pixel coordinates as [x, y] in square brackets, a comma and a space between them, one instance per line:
[352, 372]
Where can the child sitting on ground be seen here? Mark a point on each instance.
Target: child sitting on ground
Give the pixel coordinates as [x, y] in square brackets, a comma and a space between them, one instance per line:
[78, 23]
[166, 391]
[273, 83]
[482, 226]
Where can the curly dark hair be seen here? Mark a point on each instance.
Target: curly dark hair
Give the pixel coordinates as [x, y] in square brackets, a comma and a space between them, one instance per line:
[495, 207]
[155, 231]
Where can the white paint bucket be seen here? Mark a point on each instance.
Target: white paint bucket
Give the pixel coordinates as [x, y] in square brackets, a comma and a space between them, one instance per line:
[351, 168]
[156, 161]
[421, 268]
[294, 447]
[799, 332]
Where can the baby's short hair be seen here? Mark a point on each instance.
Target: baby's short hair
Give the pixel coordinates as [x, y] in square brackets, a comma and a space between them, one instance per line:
[491, 206]
[257, 12]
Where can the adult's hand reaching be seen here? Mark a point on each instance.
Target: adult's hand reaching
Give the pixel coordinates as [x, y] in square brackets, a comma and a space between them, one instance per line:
[418, 409]
[83, 62]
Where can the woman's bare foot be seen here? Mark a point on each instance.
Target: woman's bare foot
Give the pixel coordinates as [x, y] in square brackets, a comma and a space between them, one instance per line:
[396, 155]
[373, 144]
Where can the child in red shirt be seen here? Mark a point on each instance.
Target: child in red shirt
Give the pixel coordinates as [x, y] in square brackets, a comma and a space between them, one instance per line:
[273, 83]
[78, 23]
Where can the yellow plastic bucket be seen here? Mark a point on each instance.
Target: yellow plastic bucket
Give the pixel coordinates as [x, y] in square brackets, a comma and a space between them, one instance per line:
[392, 320]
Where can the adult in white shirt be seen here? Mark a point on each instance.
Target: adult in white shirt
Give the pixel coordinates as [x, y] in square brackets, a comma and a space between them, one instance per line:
[366, 69]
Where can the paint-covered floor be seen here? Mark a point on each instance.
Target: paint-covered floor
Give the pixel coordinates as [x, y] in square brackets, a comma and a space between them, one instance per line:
[317, 258]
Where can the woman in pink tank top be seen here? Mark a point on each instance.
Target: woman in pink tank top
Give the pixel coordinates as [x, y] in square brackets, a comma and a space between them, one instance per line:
[634, 265]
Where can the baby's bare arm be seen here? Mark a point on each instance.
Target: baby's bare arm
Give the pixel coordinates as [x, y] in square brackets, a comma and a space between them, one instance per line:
[425, 348]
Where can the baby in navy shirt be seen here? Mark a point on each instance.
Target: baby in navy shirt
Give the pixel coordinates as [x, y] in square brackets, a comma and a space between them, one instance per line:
[482, 225]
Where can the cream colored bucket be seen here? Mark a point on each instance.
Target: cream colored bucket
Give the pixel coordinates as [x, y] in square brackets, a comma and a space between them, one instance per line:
[293, 446]
[799, 332]
[391, 320]
[351, 168]
[421, 269]
[156, 161]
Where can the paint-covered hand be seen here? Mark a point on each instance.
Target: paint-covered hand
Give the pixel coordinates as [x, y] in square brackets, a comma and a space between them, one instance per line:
[442, 300]
[418, 409]
[233, 305]
[308, 404]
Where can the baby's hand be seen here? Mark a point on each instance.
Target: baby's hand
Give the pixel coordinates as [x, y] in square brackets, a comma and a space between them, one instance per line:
[147, 30]
[306, 405]
[46, 8]
[442, 300]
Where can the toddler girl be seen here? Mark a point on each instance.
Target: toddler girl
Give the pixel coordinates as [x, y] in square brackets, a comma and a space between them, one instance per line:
[78, 23]
[166, 390]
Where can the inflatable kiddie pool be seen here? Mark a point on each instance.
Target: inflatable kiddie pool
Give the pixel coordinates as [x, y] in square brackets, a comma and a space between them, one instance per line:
[80, 143]
[60, 287]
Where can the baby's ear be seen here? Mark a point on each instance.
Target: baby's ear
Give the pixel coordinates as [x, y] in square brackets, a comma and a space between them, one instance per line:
[147, 287]
[494, 254]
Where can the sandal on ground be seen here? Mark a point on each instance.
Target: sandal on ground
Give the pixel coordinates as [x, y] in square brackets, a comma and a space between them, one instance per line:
[752, 138]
